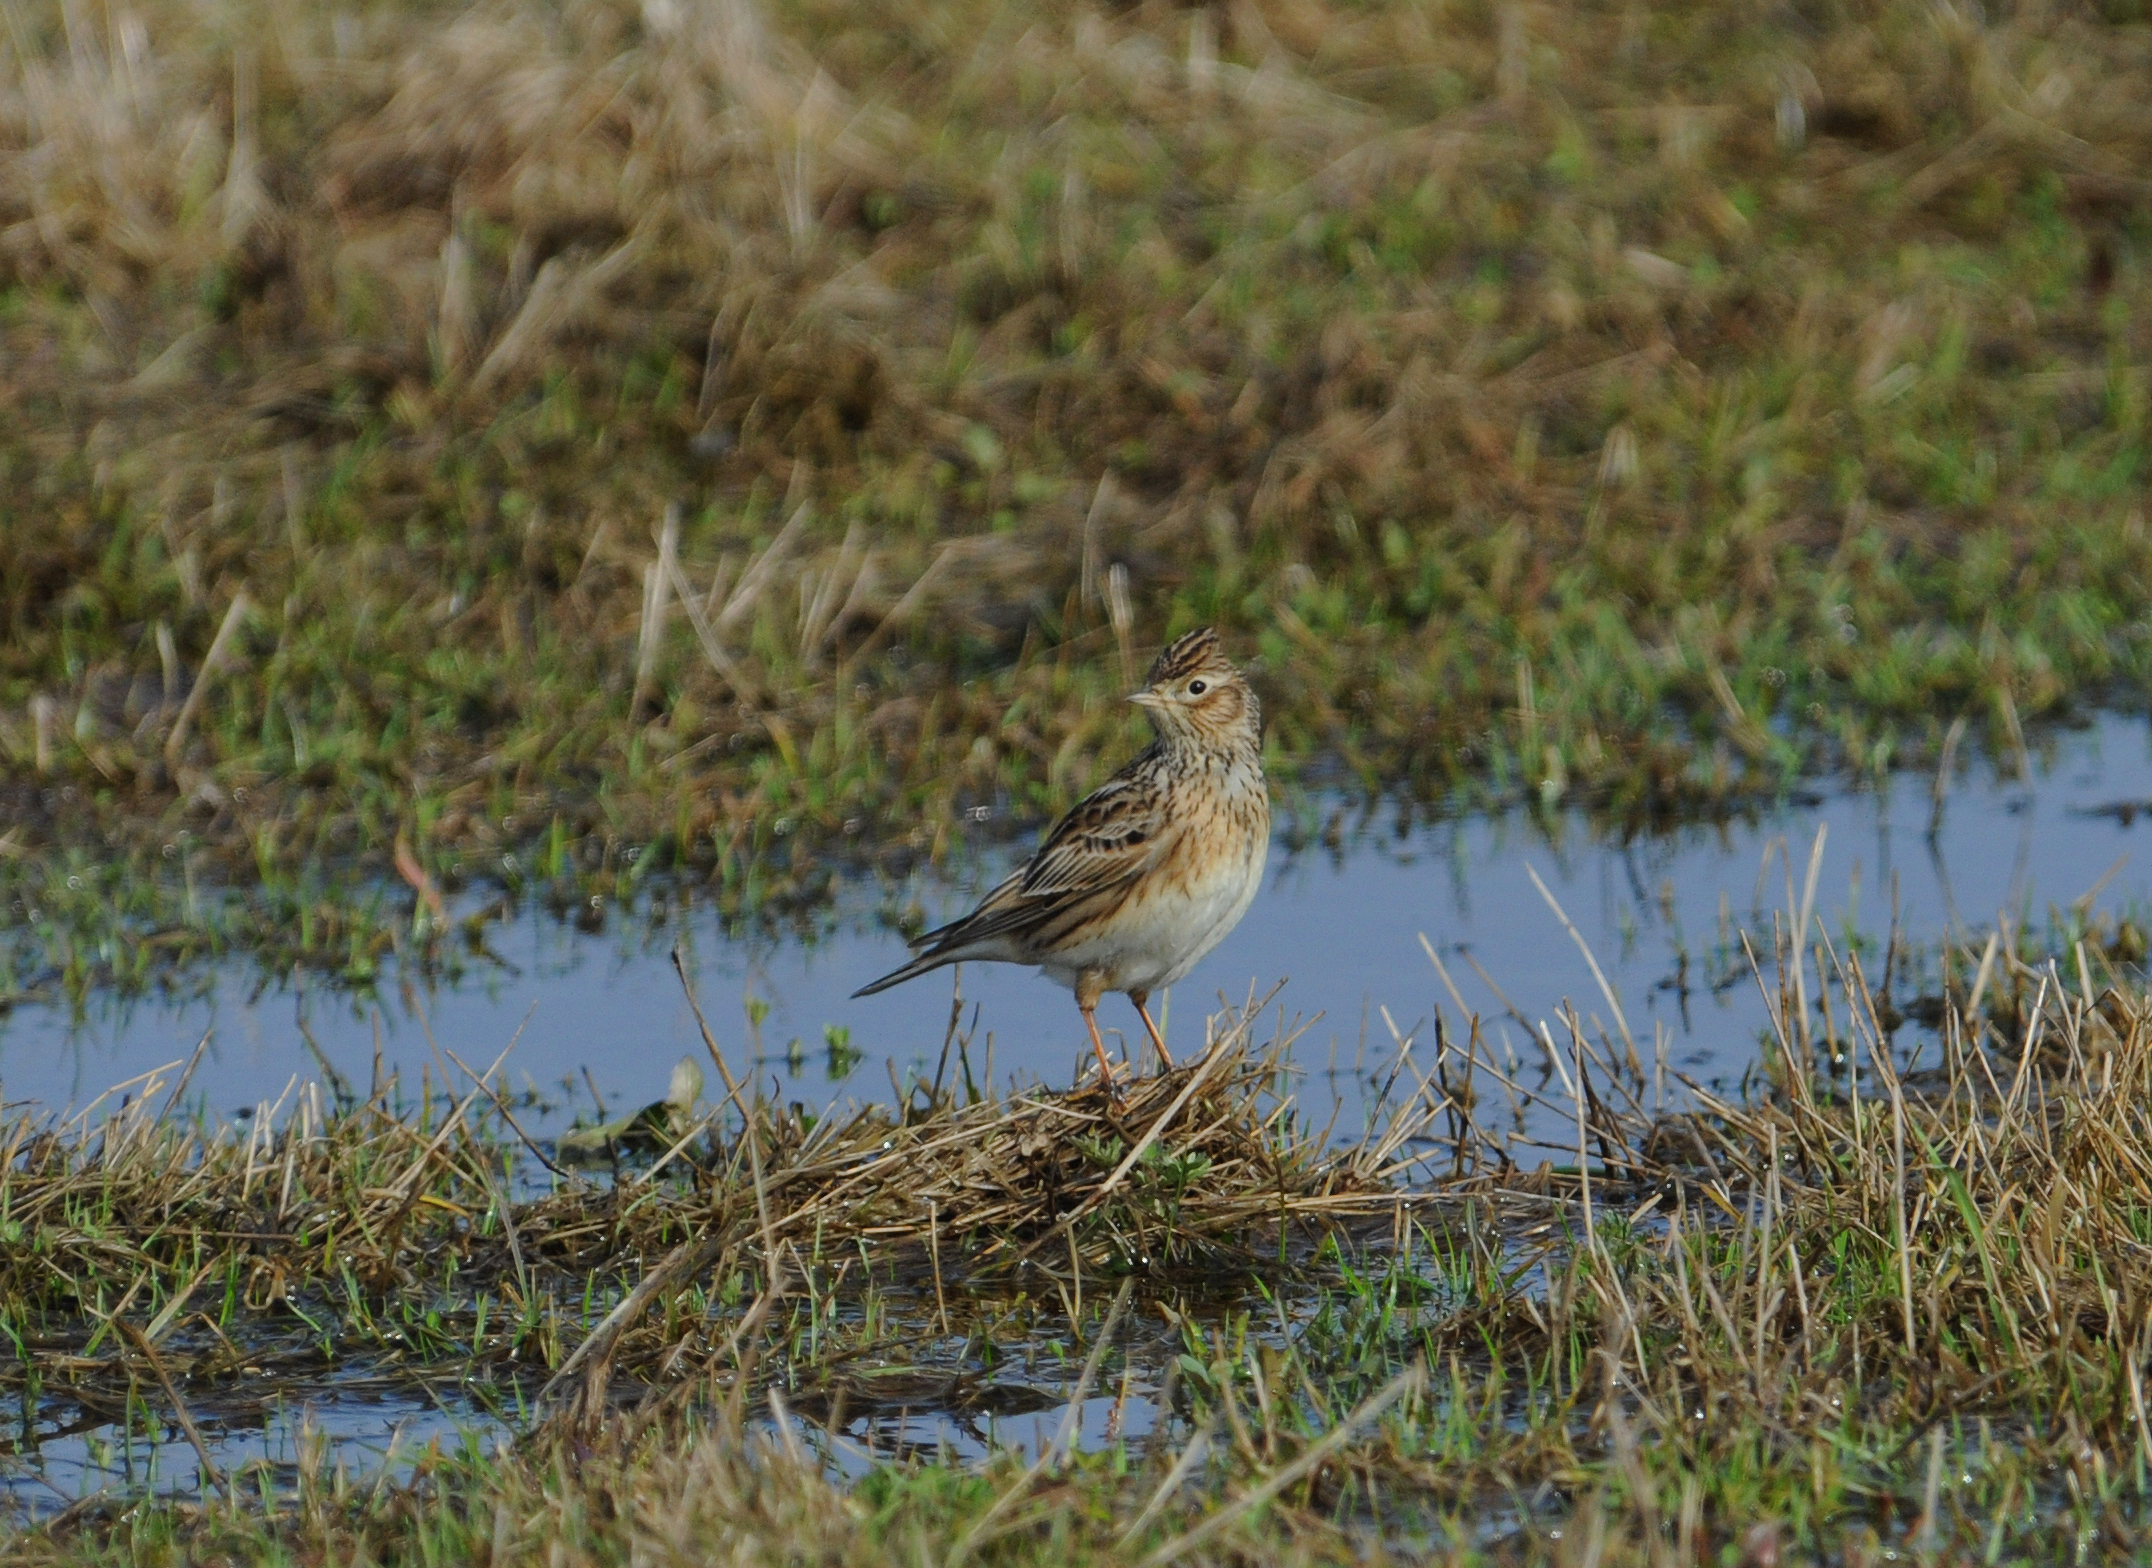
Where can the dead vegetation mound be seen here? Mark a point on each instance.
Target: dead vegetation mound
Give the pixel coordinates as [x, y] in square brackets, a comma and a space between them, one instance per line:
[208, 1242]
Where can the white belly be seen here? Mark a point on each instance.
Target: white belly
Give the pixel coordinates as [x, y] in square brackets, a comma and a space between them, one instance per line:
[1156, 939]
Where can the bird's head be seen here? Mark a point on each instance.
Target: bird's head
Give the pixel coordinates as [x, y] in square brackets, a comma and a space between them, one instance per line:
[1194, 693]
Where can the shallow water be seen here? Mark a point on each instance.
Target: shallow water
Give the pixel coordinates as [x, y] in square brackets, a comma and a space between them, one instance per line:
[61, 1454]
[1337, 929]
[1339, 925]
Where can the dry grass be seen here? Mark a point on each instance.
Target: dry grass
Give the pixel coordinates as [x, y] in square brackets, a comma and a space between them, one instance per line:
[1873, 1307]
[403, 1237]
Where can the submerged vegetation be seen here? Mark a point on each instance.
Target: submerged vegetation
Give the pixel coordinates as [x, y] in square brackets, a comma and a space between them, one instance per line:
[710, 424]
[1879, 1305]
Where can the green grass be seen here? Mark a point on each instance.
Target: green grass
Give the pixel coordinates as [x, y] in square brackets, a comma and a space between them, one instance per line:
[1644, 406]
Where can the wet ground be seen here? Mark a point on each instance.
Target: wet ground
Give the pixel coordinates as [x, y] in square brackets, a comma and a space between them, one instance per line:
[1339, 928]
[64, 1453]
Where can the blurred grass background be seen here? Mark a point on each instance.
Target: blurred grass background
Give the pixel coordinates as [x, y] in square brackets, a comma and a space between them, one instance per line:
[704, 421]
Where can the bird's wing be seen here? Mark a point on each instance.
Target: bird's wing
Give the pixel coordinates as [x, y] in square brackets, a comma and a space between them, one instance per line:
[1107, 840]
[1109, 836]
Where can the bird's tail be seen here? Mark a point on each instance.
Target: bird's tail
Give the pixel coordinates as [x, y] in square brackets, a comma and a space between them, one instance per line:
[910, 971]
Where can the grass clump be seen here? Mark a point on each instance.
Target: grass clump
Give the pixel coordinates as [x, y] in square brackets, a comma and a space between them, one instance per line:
[724, 425]
[1873, 1307]
[428, 1246]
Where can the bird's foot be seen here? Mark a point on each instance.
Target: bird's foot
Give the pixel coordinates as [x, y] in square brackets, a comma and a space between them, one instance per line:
[1109, 1078]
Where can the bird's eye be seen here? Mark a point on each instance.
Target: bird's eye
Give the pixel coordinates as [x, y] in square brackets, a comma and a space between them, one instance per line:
[1197, 688]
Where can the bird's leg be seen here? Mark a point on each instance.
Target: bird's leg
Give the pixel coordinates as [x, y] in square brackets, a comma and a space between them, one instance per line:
[1142, 999]
[1089, 987]
[1090, 1022]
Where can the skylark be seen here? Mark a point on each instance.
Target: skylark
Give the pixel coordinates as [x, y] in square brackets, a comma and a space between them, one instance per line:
[1150, 871]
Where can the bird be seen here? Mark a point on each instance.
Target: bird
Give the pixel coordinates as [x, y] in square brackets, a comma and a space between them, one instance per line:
[1147, 873]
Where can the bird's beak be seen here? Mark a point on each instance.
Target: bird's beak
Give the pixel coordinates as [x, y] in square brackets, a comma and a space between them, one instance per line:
[1147, 699]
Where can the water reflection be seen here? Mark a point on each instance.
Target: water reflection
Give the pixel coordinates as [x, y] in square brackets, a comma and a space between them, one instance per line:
[62, 1456]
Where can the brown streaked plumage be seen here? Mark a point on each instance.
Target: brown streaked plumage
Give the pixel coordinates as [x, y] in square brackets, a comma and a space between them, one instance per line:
[1147, 873]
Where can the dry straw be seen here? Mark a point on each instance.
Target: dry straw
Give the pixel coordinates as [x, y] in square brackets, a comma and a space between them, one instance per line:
[1687, 1290]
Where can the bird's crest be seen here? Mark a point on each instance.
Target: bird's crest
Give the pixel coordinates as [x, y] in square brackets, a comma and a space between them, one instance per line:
[1188, 654]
